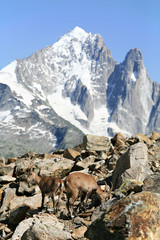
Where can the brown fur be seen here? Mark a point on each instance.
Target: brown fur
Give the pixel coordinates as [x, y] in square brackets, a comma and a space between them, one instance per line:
[81, 184]
[48, 185]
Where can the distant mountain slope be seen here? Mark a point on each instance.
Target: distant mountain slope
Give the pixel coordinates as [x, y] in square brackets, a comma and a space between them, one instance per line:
[50, 99]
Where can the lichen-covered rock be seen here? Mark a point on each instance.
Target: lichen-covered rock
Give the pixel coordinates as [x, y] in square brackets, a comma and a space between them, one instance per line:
[128, 186]
[134, 217]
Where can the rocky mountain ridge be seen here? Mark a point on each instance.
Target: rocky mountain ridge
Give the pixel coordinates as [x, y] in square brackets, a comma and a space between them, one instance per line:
[72, 88]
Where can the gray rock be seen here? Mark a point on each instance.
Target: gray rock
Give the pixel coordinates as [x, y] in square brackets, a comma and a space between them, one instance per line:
[131, 104]
[41, 227]
[96, 143]
[152, 183]
[25, 189]
[100, 210]
[7, 170]
[32, 201]
[9, 195]
[57, 166]
[18, 214]
[84, 163]
[6, 179]
[134, 164]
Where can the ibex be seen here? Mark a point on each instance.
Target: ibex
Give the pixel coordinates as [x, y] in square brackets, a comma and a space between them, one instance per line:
[81, 184]
[47, 185]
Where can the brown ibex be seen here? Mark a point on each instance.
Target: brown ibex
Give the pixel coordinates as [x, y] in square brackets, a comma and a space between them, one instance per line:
[81, 184]
[47, 185]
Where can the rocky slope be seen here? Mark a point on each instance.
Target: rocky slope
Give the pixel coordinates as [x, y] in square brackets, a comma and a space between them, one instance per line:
[132, 165]
[72, 88]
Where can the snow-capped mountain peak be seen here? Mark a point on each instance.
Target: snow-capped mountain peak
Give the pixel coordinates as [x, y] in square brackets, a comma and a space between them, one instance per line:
[76, 35]
[72, 88]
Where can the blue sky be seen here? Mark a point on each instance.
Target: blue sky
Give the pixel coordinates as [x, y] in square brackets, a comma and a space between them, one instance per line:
[28, 25]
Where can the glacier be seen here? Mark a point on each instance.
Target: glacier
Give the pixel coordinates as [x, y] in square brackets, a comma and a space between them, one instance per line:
[75, 87]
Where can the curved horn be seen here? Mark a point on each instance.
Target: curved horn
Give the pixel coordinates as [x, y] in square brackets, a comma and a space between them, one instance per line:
[106, 187]
[111, 188]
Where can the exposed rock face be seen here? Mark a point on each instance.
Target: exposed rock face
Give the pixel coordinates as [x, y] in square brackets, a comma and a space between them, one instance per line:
[133, 164]
[130, 94]
[72, 88]
[134, 217]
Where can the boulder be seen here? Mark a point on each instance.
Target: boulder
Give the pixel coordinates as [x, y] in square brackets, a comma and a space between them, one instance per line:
[144, 138]
[133, 217]
[29, 155]
[25, 189]
[155, 136]
[1, 195]
[2, 162]
[78, 233]
[11, 160]
[7, 179]
[18, 214]
[84, 163]
[118, 139]
[44, 226]
[120, 150]
[111, 162]
[45, 155]
[152, 183]
[7, 170]
[57, 166]
[96, 143]
[32, 201]
[127, 187]
[9, 195]
[71, 154]
[100, 210]
[154, 157]
[133, 164]
[21, 169]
